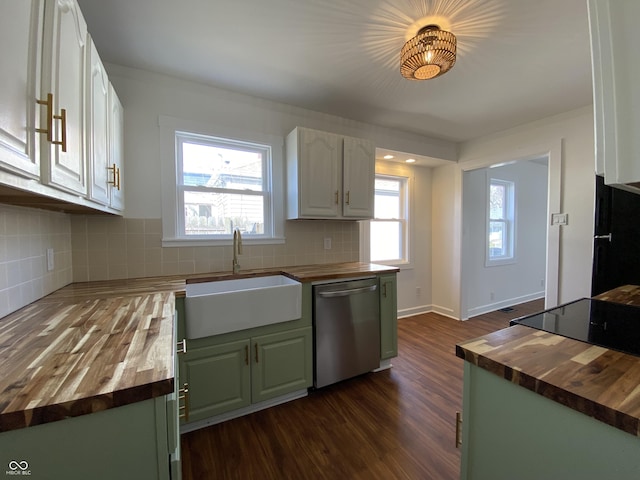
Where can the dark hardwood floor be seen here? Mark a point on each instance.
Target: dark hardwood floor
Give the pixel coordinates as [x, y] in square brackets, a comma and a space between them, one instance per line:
[395, 424]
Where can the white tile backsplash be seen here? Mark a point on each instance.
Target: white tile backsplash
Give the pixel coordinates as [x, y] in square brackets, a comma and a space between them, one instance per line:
[25, 235]
[107, 248]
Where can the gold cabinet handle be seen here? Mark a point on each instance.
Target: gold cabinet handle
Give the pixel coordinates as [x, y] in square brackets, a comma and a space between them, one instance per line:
[115, 171]
[458, 429]
[348, 195]
[183, 396]
[182, 346]
[49, 128]
[384, 289]
[337, 195]
[63, 126]
[50, 117]
[256, 348]
[246, 354]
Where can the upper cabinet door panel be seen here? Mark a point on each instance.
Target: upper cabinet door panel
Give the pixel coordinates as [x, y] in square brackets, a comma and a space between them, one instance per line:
[97, 127]
[616, 90]
[359, 165]
[319, 162]
[66, 56]
[116, 149]
[20, 53]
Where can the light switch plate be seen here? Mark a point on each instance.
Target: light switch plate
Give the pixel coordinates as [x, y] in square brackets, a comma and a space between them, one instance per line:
[559, 219]
[327, 243]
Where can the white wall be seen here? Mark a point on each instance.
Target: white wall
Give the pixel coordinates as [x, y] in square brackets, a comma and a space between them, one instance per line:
[488, 288]
[574, 131]
[146, 96]
[414, 278]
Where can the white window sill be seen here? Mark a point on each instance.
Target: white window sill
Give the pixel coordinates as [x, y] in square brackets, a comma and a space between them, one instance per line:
[219, 242]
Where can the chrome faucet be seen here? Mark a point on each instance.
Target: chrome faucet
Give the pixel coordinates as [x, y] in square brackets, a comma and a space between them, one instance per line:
[237, 249]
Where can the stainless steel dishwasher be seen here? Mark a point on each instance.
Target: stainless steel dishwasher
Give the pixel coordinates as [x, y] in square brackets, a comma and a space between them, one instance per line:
[346, 322]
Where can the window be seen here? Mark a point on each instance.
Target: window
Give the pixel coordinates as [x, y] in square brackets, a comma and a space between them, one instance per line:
[222, 185]
[500, 222]
[388, 230]
[216, 179]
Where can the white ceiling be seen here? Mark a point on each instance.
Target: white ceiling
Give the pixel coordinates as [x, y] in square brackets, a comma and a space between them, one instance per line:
[518, 60]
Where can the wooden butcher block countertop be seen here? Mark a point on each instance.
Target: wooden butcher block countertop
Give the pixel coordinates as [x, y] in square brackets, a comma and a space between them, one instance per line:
[97, 345]
[601, 383]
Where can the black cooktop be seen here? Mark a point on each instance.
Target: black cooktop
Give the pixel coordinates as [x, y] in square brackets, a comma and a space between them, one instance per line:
[608, 324]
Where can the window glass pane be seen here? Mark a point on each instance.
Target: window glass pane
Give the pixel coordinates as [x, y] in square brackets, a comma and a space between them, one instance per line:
[497, 244]
[385, 240]
[387, 198]
[220, 167]
[497, 194]
[207, 213]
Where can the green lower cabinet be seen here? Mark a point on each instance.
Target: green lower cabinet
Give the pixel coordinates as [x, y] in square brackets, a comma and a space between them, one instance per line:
[138, 441]
[509, 432]
[219, 378]
[282, 363]
[388, 316]
[228, 376]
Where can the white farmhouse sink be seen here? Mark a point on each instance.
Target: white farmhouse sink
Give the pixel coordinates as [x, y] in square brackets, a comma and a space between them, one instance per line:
[226, 306]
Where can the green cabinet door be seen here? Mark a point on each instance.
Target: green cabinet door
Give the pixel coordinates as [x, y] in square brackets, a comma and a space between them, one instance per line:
[388, 316]
[281, 363]
[219, 378]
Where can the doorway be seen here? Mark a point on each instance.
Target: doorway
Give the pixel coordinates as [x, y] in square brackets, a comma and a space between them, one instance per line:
[519, 273]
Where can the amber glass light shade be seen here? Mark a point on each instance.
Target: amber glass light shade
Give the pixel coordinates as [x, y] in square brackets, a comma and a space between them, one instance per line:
[431, 53]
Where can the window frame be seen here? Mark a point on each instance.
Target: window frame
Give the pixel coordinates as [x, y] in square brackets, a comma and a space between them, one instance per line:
[405, 222]
[265, 192]
[173, 218]
[507, 219]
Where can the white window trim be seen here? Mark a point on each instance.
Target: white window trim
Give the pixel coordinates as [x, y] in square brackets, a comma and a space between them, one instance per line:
[169, 126]
[391, 170]
[510, 223]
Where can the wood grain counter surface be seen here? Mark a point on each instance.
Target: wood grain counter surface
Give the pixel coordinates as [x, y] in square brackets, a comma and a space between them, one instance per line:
[599, 382]
[97, 345]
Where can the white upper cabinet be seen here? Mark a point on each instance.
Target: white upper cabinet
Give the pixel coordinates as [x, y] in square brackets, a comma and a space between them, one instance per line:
[20, 55]
[61, 131]
[616, 82]
[116, 151]
[359, 170]
[64, 70]
[329, 176]
[97, 127]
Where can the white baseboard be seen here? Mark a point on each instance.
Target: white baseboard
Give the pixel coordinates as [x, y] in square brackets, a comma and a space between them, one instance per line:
[190, 427]
[491, 307]
[384, 365]
[410, 312]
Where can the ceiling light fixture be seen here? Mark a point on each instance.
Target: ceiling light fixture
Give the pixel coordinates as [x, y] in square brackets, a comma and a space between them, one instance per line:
[431, 53]
[410, 160]
[388, 157]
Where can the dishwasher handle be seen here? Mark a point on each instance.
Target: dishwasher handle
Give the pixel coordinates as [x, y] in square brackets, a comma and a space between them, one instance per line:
[344, 293]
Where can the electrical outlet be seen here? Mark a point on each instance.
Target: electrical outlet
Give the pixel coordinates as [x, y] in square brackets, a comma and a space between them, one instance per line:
[327, 243]
[50, 264]
[418, 292]
[491, 296]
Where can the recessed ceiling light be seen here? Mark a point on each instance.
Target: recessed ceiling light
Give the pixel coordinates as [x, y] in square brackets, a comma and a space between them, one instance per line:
[388, 157]
[410, 160]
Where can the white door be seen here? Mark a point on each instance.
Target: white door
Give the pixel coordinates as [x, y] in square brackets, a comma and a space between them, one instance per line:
[64, 63]
[319, 162]
[116, 149]
[20, 53]
[359, 169]
[97, 127]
